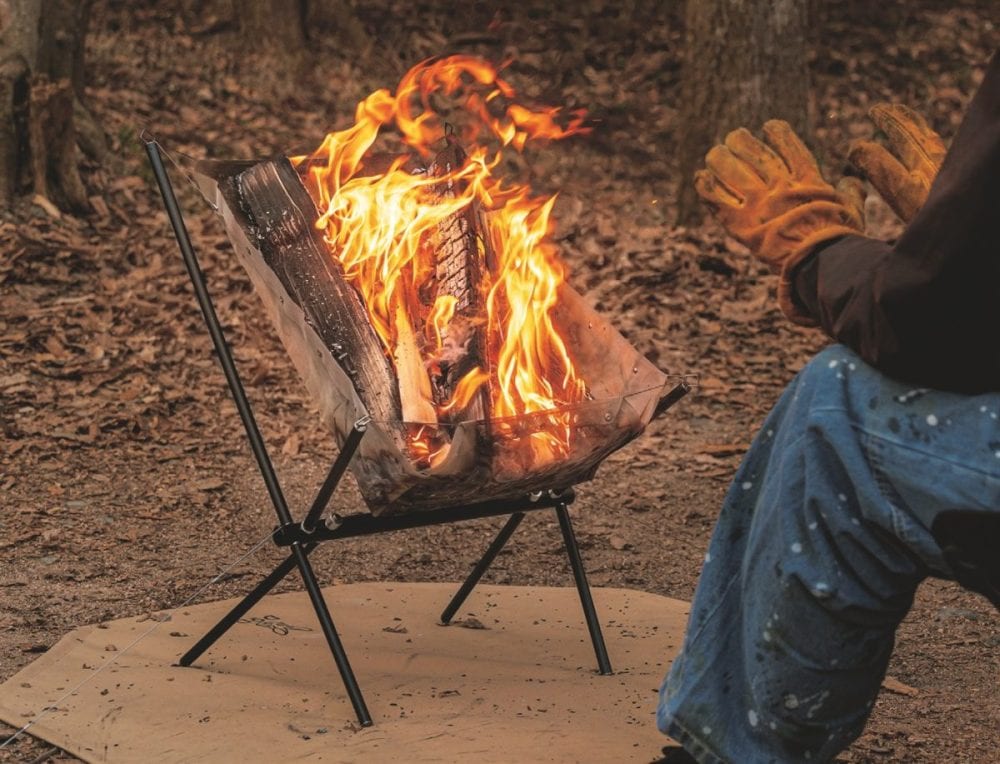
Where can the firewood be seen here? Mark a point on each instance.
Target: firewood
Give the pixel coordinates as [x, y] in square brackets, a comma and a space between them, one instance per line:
[271, 225]
[460, 246]
[414, 384]
[273, 196]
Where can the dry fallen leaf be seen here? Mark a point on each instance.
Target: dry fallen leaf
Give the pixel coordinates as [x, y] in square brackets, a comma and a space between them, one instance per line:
[724, 449]
[291, 447]
[892, 684]
[470, 623]
[209, 484]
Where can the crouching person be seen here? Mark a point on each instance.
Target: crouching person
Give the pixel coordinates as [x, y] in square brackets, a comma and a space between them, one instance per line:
[879, 465]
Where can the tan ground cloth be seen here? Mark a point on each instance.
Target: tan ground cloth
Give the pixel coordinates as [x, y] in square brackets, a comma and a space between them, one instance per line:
[523, 689]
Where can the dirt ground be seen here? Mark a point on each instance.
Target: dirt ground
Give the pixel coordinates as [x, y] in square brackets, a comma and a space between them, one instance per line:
[125, 482]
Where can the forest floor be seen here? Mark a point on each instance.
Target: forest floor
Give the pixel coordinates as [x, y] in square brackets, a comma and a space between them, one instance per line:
[125, 480]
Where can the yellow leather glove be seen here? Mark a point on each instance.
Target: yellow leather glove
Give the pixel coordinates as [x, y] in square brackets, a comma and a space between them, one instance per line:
[772, 198]
[902, 176]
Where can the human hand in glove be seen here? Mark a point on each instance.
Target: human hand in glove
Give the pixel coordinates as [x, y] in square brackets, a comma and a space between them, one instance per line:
[772, 198]
[903, 173]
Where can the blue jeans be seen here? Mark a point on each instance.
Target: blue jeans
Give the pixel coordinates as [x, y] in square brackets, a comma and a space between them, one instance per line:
[819, 548]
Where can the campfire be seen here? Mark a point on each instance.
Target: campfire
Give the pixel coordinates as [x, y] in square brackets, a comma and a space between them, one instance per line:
[415, 285]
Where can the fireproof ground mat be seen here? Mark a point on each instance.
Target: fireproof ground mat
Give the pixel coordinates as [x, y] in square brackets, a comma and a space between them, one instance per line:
[522, 689]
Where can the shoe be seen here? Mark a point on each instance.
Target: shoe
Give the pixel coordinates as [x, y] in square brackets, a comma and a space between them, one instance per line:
[674, 754]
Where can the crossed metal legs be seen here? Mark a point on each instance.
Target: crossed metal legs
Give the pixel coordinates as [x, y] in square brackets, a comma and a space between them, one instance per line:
[299, 558]
[579, 575]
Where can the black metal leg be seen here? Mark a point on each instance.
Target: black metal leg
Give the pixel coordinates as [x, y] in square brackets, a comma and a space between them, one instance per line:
[299, 555]
[336, 472]
[494, 549]
[241, 609]
[299, 558]
[218, 337]
[576, 562]
[332, 638]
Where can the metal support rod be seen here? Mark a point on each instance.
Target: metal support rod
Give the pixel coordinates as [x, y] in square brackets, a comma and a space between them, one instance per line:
[477, 573]
[218, 338]
[366, 524]
[335, 474]
[299, 556]
[241, 608]
[580, 575]
[330, 632]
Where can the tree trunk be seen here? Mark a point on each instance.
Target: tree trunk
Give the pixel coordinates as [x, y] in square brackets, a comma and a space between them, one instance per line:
[61, 33]
[744, 63]
[273, 42]
[13, 131]
[275, 24]
[41, 85]
[335, 19]
[18, 51]
[52, 137]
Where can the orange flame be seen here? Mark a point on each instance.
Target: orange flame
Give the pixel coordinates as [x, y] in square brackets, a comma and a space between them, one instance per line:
[440, 316]
[381, 226]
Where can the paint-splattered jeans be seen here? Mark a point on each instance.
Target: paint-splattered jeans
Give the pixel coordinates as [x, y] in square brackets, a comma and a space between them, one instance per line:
[819, 548]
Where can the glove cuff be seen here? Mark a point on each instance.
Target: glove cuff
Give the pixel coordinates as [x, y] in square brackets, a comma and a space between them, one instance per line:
[786, 284]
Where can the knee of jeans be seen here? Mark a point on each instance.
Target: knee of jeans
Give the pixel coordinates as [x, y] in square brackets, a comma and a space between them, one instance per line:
[816, 721]
[837, 567]
[810, 673]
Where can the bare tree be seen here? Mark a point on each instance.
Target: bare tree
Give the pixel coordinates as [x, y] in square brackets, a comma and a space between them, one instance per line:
[274, 24]
[286, 34]
[337, 20]
[289, 26]
[744, 63]
[41, 89]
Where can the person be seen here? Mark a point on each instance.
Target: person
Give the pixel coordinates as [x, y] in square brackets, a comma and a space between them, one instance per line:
[880, 463]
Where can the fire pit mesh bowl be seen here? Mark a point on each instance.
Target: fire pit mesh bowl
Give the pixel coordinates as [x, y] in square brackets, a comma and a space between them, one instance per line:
[506, 457]
[276, 241]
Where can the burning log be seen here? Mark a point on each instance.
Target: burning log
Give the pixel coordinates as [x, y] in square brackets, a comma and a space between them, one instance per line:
[284, 216]
[462, 259]
[414, 383]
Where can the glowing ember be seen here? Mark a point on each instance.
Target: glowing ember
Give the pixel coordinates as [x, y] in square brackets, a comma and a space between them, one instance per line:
[385, 227]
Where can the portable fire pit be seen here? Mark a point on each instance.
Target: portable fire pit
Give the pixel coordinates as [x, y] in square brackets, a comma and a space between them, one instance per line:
[427, 313]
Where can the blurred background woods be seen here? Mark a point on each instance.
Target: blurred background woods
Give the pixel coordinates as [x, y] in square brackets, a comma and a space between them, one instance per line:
[115, 424]
[679, 75]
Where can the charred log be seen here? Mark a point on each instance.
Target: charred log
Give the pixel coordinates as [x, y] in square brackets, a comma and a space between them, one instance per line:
[460, 246]
[273, 197]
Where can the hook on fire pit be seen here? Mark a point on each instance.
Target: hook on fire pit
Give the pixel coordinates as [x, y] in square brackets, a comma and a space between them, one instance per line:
[686, 383]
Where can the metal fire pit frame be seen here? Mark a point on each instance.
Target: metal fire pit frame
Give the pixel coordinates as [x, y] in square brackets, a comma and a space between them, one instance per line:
[303, 537]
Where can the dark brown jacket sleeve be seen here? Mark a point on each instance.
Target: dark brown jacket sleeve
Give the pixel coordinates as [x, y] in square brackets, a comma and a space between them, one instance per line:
[927, 310]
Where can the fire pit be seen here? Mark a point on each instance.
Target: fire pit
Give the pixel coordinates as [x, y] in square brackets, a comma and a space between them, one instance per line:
[423, 304]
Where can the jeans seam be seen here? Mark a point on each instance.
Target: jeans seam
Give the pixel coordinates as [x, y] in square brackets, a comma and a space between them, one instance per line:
[714, 610]
[937, 456]
[886, 488]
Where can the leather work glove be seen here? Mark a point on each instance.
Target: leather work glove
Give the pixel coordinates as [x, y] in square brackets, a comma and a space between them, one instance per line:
[903, 173]
[772, 198]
